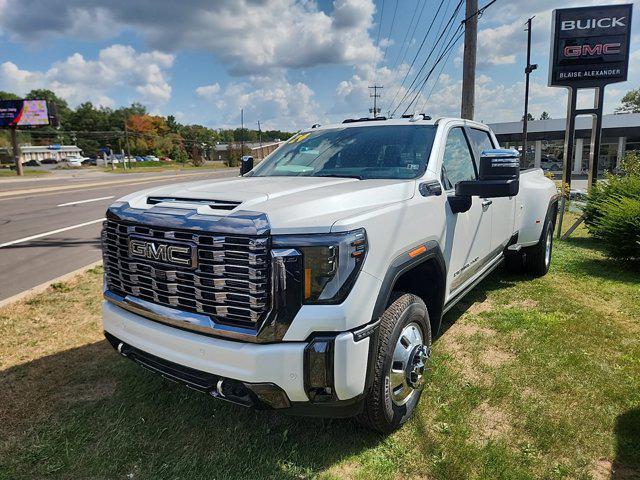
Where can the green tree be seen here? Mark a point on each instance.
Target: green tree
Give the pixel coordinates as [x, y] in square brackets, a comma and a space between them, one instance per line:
[8, 96]
[530, 117]
[630, 102]
[545, 116]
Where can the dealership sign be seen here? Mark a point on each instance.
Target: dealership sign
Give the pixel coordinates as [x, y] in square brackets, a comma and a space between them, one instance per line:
[27, 113]
[590, 46]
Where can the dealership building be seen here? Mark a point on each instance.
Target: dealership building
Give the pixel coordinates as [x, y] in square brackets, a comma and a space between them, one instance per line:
[620, 133]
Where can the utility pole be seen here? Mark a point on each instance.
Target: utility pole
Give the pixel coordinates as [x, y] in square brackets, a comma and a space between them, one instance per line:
[527, 71]
[242, 132]
[126, 141]
[16, 151]
[469, 60]
[260, 140]
[375, 95]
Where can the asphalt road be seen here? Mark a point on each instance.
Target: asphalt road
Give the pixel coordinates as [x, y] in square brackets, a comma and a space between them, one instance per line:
[64, 214]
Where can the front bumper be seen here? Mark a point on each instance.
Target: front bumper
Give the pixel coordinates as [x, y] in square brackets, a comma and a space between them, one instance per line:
[274, 375]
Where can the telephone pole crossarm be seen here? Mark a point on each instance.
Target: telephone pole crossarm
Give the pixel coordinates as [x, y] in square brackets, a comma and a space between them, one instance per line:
[375, 95]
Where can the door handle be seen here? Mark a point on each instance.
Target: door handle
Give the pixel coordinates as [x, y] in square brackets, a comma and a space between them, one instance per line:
[486, 203]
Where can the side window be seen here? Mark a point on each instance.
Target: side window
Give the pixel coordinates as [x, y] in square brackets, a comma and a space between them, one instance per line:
[481, 140]
[457, 164]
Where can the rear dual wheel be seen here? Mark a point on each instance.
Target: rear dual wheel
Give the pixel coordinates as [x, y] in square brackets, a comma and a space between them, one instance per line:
[534, 260]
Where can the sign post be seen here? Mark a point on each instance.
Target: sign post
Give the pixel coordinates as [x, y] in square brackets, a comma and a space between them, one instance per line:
[589, 49]
[15, 148]
[26, 114]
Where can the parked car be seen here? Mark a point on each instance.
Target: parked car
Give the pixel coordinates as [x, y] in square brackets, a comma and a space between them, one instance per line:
[315, 283]
[90, 162]
[49, 161]
[139, 159]
[32, 163]
[151, 158]
[165, 159]
[75, 161]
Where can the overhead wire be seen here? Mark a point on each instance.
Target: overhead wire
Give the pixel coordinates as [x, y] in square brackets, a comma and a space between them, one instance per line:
[415, 57]
[444, 31]
[460, 32]
[375, 54]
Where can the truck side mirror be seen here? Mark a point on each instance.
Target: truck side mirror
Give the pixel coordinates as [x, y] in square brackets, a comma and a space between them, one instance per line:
[246, 165]
[499, 164]
[499, 176]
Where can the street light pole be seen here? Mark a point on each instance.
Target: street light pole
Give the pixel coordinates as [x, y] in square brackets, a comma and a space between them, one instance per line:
[527, 71]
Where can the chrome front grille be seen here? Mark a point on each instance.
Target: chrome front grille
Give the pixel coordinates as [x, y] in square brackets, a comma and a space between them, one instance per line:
[231, 283]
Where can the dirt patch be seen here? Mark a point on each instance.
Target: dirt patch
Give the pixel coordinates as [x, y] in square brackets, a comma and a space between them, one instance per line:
[495, 357]
[457, 343]
[471, 329]
[526, 303]
[492, 423]
[346, 470]
[601, 470]
[481, 307]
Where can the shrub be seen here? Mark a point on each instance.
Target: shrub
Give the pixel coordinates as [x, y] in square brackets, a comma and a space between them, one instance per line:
[612, 212]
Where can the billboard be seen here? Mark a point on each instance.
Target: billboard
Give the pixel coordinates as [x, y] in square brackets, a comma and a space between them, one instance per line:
[27, 113]
[590, 46]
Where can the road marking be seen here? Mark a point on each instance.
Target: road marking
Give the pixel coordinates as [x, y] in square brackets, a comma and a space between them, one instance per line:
[76, 186]
[85, 201]
[52, 232]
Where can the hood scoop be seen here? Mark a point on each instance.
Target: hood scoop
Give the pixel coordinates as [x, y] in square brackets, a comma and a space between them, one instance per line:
[215, 204]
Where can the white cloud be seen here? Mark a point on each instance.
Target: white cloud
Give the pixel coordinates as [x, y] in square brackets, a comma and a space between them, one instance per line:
[274, 101]
[249, 36]
[208, 92]
[77, 79]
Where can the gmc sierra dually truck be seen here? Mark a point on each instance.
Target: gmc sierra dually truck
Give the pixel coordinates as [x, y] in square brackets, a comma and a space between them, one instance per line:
[315, 282]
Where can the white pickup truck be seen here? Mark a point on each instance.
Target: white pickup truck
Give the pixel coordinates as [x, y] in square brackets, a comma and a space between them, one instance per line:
[316, 282]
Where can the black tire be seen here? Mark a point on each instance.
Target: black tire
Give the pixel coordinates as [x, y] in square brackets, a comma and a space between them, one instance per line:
[380, 411]
[538, 257]
[514, 262]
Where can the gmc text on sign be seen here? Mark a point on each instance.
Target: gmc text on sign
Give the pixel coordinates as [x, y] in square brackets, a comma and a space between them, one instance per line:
[590, 46]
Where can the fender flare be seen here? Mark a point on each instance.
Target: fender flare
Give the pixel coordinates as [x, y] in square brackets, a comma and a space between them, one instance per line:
[402, 264]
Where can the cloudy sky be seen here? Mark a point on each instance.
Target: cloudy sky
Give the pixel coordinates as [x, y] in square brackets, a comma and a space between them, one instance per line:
[288, 63]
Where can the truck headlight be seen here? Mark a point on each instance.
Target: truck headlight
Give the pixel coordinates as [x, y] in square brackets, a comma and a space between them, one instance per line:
[331, 263]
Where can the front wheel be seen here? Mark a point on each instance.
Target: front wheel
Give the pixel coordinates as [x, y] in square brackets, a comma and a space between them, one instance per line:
[403, 350]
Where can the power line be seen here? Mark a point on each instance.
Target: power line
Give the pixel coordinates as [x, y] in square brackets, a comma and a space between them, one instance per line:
[444, 31]
[444, 64]
[403, 52]
[426, 35]
[406, 35]
[375, 54]
[393, 20]
[479, 13]
[452, 42]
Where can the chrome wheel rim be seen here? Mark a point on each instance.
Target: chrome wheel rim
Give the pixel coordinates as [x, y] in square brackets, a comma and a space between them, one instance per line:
[406, 375]
[547, 248]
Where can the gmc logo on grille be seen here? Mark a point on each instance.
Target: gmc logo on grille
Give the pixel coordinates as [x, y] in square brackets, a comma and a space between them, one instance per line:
[182, 254]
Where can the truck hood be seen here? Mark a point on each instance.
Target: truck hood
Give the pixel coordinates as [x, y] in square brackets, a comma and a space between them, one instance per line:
[293, 204]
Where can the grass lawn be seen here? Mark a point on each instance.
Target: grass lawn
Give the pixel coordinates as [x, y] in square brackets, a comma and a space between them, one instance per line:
[5, 172]
[137, 167]
[531, 379]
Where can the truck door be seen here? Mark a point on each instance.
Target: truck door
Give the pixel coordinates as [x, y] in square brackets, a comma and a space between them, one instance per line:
[467, 242]
[501, 209]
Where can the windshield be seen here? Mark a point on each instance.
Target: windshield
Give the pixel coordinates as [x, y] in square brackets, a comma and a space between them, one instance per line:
[397, 151]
